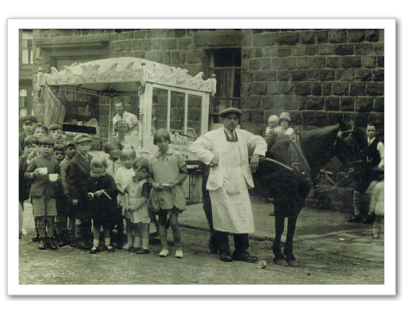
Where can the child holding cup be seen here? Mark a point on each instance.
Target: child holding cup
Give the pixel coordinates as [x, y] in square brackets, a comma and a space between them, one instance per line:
[43, 172]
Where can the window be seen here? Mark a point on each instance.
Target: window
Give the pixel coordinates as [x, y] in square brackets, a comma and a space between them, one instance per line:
[27, 47]
[23, 98]
[226, 65]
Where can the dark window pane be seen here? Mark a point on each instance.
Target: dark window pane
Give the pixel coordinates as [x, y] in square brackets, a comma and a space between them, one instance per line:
[227, 58]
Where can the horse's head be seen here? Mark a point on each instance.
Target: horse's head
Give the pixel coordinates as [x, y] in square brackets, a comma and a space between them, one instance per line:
[349, 143]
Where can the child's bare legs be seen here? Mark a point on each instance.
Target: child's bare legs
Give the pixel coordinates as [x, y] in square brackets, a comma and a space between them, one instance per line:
[379, 220]
[107, 234]
[137, 244]
[176, 229]
[96, 235]
[129, 233]
[163, 229]
[143, 230]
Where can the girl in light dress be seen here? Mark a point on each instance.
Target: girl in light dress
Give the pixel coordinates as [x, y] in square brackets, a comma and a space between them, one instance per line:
[136, 210]
[168, 172]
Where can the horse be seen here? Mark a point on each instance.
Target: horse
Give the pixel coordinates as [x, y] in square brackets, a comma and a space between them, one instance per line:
[289, 171]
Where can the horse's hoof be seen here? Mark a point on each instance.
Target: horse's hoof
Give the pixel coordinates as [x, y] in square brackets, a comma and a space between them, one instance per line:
[280, 261]
[292, 262]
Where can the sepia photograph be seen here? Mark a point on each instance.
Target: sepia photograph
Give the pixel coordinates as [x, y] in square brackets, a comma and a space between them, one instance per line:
[247, 153]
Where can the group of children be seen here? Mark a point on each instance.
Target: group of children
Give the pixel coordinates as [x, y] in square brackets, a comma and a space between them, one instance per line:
[76, 195]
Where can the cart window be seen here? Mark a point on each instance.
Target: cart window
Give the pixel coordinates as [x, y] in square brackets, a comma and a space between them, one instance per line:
[194, 116]
[177, 111]
[159, 109]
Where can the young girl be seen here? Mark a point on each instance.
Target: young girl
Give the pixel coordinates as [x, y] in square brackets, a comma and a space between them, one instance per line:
[123, 175]
[136, 208]
[101, 191]
[284, 125]
[168, 172]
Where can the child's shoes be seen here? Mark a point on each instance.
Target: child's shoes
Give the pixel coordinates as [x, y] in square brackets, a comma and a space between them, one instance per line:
[94, 250]
[164, 252]
[42, 245]
[52, 245]
[143, 251]
[127, 246]
[110, 248]
[179, 253]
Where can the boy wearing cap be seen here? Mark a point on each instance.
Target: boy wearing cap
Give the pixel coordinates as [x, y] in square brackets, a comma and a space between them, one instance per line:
[43, 172]
[78, 171]
[29, 122]
[55, 129]
[70, 151]
[226, 150]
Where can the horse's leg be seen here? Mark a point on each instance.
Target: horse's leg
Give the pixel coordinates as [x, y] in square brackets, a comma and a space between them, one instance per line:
[279, 226]
[288, 250]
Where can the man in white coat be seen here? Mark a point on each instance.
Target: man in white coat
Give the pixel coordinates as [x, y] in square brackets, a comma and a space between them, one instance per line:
[226, 150]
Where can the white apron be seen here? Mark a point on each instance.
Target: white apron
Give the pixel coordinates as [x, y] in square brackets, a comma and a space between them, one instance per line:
[231, 206]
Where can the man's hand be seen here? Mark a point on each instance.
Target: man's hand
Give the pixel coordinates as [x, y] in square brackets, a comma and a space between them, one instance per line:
[254, 164]
[214, 162]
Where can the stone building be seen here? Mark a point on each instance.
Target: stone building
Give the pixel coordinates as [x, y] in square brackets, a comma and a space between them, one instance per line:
[319, 76]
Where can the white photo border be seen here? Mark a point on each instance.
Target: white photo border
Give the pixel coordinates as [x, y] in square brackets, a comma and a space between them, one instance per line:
[389, 287]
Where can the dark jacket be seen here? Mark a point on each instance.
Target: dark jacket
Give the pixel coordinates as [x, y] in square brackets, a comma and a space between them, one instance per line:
[41, 182]
[102, 206]
[78, 171]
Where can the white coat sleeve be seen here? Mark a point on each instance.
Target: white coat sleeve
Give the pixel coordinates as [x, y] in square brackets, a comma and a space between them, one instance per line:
[201, 148]
[256, 143]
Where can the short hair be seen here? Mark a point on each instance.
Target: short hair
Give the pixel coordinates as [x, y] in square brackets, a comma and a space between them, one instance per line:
[31, 139]
[40, 125]
[161, 133]
[121, 121]
[99, 161]
[122, 103]
[111, 144]
[70, 143]
[127, 152]
[46, 140]
[55, 127]
[59, 147]
[373, 125]
[142, 163]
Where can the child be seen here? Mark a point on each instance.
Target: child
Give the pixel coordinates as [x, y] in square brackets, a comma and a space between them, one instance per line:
[44, 172]
[55, 129]
[101, 191]
[168, 172]
[59, 152]
[113, 148]
[136, 208]
[284, 125]
[60, 139]
[29, 122]
[70, 152]
[40, 130]
[123, 175]
[30, 146]
[273, 122]
[61, 218]
[78, 171]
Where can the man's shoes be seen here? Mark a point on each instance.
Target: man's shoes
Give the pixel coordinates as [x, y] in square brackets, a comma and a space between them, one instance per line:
[369, 219]
[42, 245]
[354, 219]
[225, 257]
[244, 257]
[212, 246]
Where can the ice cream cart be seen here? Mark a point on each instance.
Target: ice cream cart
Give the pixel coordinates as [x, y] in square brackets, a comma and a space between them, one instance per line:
[167, 97]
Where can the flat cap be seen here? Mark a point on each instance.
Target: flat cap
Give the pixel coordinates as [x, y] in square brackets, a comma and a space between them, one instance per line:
[30, 118]
[55, 126]
[82, 137]
[225, 112]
